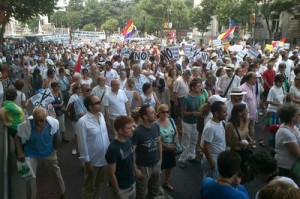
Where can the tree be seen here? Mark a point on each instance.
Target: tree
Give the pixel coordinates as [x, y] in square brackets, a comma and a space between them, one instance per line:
[89, 27]
[271, 9]
[110, 25]
[73, 19]
[33, 23]
[201, 20]
[59, 18]
[23, 10]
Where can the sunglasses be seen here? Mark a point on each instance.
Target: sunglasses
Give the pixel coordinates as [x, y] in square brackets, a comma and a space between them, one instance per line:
[165, 112]
[97, 103]
[88, 90]
[40, 120]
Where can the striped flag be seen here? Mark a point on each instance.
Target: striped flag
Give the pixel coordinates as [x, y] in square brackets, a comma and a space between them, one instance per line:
[227, 34]
[129, 30]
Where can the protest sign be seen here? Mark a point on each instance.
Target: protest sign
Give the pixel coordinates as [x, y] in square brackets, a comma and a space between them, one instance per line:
[126, 52]
[252, 52]
[175, 52]
[240, 56]
[167, 54]
[43, 98]
[216, 43]
[140, 55]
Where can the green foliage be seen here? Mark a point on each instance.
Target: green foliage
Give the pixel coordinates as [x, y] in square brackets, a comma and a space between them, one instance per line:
[23, 10]
[59, 18]
[110, 25]
[33, 23]
[89, 27]
[200, 19]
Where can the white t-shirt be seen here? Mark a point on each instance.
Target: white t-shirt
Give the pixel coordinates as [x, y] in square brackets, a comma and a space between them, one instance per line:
[214, 133]
[21, 97]
[276, 94]
[110, 75]
[86, 81]
[289, 65]
[295, 92]
[115, 103]
[180, 87]
[283, 156]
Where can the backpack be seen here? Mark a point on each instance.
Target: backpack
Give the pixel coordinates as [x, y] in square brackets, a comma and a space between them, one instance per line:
[71, 112]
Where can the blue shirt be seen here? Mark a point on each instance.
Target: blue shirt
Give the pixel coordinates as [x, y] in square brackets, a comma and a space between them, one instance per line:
[40, 144]
[210, 189]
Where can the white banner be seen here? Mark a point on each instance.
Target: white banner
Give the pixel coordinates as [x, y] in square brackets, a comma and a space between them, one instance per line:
[240, 56]
[216, 43]
[43, 98]
[89, 34]
[126, 52]
[252, 52]
[175, 52]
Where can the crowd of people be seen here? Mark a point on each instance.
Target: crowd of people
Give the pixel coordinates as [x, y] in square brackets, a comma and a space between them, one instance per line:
[128, 116]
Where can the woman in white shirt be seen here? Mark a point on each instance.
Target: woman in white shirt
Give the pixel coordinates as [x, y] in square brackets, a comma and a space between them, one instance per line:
[275, 99]
[287, 140]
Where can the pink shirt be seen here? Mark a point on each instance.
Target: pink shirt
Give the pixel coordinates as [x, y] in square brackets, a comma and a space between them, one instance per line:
[250, 99]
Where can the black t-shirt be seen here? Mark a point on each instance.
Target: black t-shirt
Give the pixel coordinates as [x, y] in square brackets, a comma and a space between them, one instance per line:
[121, 154]
[146, 139]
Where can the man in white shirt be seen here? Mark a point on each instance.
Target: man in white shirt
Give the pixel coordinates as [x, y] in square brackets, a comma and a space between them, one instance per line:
[180, 90]
[100, 90]
[289, 64]
[228, 81]
[93, 142]
[213, 140]
[109, 73]
[115, 104]
[212, 66]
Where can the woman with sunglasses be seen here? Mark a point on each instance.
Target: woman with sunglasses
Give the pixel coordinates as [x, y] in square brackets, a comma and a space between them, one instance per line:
[168, 135]
[85, 79]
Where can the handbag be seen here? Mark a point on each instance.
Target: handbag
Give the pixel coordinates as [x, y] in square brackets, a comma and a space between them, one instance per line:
[25, 170]
[178, 149]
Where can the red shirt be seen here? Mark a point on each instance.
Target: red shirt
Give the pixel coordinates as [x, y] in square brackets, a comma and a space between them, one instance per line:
[268, 76]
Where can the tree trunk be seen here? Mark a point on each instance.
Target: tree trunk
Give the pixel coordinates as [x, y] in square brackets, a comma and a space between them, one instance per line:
[2, 30]
[269, 29]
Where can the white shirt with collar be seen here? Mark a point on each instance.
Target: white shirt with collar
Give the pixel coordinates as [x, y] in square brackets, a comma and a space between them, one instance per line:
[115, 103]
[92, 139]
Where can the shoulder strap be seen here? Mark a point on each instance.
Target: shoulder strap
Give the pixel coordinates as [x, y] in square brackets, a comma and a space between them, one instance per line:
[173, 126]
[229, 86]
[237, 131]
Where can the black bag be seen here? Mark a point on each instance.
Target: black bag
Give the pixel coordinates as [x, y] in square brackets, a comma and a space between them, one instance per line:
[244, 153]
[71, 112]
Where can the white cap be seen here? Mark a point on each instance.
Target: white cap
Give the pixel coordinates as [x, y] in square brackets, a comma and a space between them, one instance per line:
[215, 98]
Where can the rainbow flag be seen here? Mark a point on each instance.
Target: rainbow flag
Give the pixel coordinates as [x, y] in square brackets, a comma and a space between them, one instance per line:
[227, 34]
[129, 30]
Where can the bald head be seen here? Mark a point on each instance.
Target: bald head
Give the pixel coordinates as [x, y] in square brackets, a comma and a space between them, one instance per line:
[39, 111]
[39, 116]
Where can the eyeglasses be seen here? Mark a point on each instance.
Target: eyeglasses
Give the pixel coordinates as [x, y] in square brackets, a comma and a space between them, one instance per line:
[88, 90]
[165, 112]
[97, 103]
[40, 120]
